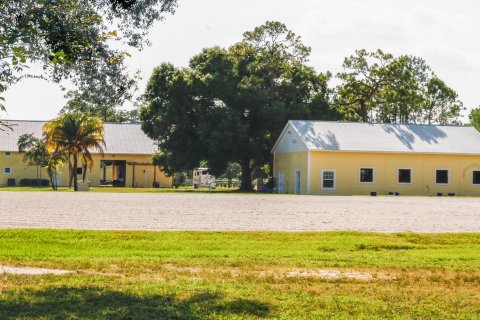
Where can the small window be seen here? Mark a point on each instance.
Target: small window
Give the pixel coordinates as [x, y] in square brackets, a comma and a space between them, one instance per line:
[79, 170]
[7, 170]
[404, 176]
[441, 176]
[8, 154]
[476, 177]
[328, 180]
[366, 175]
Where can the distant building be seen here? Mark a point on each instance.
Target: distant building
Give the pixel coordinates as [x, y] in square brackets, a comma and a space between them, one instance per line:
[126, 160]
[343, 158]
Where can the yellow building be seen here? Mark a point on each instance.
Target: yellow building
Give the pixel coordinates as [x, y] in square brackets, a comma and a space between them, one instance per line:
[342, 158]
[126, 160]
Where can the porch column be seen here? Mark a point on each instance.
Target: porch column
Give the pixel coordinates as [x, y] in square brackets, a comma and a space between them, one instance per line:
[133, 176]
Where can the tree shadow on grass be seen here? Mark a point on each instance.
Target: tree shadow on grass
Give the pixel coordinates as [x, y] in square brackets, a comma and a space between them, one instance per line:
[97, 303]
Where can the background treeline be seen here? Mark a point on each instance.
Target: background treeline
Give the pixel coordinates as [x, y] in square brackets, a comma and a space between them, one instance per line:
[231, 104]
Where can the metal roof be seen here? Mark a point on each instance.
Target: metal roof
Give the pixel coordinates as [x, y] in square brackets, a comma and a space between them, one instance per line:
[120, 138]
[383, 137]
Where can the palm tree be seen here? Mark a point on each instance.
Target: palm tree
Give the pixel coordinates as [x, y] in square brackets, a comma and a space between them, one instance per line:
[76, 134]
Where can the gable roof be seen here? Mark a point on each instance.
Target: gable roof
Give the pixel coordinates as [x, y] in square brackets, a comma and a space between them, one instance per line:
[120, 138]
[386, 137]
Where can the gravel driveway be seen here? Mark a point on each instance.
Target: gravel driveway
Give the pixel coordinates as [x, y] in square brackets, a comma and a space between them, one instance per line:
[185, 211]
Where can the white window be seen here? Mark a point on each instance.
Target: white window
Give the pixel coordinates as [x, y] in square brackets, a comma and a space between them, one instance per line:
[442, 176]
[367, 175]
[7, 154]
[328, 180]
[7, 170]
[405, 176]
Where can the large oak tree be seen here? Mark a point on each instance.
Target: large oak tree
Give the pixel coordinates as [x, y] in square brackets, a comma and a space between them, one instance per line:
[231, 104]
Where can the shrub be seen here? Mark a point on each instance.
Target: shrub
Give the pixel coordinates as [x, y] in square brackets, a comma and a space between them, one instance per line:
[34, 182]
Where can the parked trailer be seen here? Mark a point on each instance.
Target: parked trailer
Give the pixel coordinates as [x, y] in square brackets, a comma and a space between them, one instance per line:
[203, 179]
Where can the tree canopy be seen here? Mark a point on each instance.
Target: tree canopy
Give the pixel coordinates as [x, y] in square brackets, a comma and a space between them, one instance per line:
[35, 153]
[231, 104]
[378, 87]
[75, 135]
[73, 39]
[474, 117]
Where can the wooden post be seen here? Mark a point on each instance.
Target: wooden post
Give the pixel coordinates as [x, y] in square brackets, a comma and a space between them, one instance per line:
[133, 179]
[154, 175]
[104, 171]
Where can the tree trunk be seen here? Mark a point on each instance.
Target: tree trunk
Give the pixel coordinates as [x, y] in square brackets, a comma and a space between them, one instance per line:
[52, 177]
[246, 185]
[84, 172]
[74, 172]
[70, 173]
[363, 111]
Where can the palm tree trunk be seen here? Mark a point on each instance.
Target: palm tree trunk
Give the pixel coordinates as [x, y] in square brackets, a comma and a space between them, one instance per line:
[70, 173]
[74, 172]
[84, 172]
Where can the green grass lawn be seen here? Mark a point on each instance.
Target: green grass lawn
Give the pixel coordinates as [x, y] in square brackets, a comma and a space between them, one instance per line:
[239, 275]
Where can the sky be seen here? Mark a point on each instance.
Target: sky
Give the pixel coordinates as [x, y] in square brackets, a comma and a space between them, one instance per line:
[443, 32]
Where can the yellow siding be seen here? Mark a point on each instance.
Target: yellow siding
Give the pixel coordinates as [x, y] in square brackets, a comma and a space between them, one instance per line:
[289, 163]
[20, 171]
[347, 167]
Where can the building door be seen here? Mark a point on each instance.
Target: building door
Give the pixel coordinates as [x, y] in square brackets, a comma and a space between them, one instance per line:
[281, 182]
[298, 182]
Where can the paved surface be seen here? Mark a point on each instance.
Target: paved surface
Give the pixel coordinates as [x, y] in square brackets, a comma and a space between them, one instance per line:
[236, 212]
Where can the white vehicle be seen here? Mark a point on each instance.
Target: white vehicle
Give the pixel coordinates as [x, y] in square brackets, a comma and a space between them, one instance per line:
[203, 179]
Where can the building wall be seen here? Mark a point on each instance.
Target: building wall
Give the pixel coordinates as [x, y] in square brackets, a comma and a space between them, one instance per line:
[20, 171]
[289, 163]
[347, 167]
[290, 141]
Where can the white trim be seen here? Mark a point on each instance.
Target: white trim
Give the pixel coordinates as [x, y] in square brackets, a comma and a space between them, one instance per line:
[360, 176]
[475, 184]
[5, 168]
[398, 152]
[280, 136]
[7, 154]
[334, 179]
[448, 176]
[308, 173]
[289, 124]
[398, 175]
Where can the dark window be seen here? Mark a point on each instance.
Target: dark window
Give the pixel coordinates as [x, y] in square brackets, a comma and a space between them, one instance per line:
[442, 176]
[79, 170]
[404, 176]
[8, 154]
[476, 177]
[7, 170]
[366, 175]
